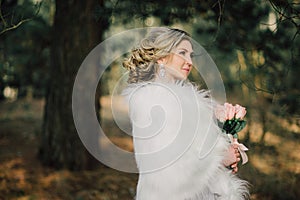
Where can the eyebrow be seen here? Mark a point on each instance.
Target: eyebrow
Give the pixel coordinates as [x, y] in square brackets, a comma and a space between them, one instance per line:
[185, 50]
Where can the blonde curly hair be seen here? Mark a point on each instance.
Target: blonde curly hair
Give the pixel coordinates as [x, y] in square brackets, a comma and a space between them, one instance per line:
[158, 43]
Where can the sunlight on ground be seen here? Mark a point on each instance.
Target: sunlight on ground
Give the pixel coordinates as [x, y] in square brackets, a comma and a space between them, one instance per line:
[264, 164]
[55, 177]
[272, 139]
[288, 158]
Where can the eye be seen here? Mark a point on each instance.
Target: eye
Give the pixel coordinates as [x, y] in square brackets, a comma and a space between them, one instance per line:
[192, 55]
[182, 53]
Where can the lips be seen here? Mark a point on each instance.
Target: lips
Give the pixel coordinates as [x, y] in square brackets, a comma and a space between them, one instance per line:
[187, 69]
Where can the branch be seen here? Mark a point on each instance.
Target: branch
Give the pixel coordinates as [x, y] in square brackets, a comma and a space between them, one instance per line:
[1, 15]
[292, 17]
[14, 26]
[221, 11]
[253, 86]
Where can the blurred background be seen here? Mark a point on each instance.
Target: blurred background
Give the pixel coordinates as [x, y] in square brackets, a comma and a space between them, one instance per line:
[255, 45]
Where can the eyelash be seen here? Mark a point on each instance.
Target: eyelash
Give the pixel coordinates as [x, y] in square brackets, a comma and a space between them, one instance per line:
[183, 53]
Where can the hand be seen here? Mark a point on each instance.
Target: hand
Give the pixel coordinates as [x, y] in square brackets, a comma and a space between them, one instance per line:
[232, 157]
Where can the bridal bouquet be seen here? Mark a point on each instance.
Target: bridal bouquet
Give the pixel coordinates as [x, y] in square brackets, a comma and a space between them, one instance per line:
[232, 118]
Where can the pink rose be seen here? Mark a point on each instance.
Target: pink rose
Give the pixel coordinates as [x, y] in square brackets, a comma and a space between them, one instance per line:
[240, 111]
[230, 111]
[220, 113]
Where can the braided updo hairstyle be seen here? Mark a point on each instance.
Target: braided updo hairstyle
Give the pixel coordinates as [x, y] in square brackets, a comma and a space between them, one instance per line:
[159, 43]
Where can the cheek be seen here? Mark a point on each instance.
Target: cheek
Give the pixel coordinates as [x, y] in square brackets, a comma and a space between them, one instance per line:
[180, 62]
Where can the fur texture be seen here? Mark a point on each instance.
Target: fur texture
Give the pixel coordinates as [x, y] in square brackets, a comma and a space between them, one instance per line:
[178, 146]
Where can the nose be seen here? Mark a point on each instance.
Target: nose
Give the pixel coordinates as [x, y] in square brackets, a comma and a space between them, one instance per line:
[189, 61]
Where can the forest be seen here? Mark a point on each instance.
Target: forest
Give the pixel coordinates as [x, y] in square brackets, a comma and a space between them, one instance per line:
[43, 43]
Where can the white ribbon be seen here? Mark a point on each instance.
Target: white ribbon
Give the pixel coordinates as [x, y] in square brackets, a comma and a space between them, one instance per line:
[241, 148]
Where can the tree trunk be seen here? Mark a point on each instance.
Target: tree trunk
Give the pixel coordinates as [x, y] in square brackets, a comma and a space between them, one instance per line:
[75, 33]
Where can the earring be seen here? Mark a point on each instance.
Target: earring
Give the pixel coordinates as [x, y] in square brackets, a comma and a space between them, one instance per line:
[162, 70]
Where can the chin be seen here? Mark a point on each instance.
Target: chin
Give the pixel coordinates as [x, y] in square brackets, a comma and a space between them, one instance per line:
[180, 77]
[184, 77]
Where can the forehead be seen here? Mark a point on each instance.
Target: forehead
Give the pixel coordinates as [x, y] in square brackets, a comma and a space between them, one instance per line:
[185, 44]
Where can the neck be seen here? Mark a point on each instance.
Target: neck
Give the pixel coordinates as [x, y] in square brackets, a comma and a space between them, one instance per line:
[166, 79]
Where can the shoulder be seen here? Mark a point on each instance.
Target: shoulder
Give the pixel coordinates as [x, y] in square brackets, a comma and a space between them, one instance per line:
[144, 92]
[166, 94]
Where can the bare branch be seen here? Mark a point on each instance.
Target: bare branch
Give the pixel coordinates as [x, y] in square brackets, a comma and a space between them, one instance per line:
[1, 15]
[293, 15]
[14, 26]
[221, 7]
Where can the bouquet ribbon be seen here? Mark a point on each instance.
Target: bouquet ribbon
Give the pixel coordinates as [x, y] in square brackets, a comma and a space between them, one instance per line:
[241, 148]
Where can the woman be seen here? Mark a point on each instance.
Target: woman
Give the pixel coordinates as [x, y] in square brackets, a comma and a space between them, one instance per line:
[180, 151]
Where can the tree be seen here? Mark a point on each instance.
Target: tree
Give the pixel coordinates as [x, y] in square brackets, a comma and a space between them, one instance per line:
[76, 31]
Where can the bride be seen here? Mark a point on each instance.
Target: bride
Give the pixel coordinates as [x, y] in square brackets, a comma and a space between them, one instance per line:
[180, 151]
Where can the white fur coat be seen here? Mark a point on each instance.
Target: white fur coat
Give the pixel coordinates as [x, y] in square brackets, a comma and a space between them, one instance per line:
[178, 146]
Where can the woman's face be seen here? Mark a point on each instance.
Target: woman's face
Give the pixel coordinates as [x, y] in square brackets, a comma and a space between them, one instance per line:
[179, 63]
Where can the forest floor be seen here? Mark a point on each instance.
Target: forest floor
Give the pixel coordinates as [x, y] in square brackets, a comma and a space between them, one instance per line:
[273, 169]
[23, 177]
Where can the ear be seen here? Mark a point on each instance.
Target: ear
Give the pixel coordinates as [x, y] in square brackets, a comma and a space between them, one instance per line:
[162, 60]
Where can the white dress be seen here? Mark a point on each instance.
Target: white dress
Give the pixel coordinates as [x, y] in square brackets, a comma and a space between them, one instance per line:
[178, 146]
